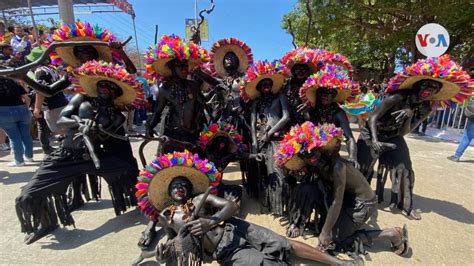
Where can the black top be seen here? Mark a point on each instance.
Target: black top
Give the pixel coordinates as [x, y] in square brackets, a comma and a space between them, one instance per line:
[10, 92]
[47, 76]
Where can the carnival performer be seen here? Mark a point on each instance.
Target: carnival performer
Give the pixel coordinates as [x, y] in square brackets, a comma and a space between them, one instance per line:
[94, 144]
[322, 92]
[409, 100]
[270, 114]
[171, 59]
[72, 57]
[174, 190]
[342, 191]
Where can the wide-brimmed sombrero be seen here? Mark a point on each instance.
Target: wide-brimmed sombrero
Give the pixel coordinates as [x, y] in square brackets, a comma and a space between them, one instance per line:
[260, 70]
[87, 76]
[330, 76]
[81, 31]
[301, 55]
[154, 180]
[454, 79]
[222, 47]
[303, 139]
[222, 129]
[169, 48]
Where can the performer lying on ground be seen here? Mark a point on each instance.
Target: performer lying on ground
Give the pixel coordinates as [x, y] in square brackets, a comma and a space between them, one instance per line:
[409, 100]
[91, 118]
[349, 198]
[270, 114]
[170, 189]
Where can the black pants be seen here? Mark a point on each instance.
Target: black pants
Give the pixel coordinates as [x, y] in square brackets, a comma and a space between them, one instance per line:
[43, 134]
[42, 201]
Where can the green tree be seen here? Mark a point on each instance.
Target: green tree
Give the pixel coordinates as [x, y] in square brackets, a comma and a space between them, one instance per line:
[373, 32]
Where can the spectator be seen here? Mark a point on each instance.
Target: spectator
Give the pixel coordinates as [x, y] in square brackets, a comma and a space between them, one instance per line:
[15, 119]
[20, 42]
[6, 54]
[52, 105]
[5, 36]
[140, 112]
[468, 133]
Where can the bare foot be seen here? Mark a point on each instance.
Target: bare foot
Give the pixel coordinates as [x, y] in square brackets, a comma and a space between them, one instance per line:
[147, 238]
[401, 248]
[33, 237]
[293, 231]
[413, 214]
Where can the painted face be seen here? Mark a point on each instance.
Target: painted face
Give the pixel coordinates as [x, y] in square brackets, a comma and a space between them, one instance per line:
[180, 189]
[312, 158]
[85, 53]
[108, 90]
[231, 61]
[325, 96]
[179, 68]
[300, 71]
[265, 86]
[427, 89]
[219, 145]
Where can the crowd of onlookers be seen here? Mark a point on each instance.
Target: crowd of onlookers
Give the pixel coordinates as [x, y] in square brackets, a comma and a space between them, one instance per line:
[25, 115]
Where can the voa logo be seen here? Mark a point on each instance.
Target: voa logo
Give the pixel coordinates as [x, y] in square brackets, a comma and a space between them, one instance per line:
[432, 40]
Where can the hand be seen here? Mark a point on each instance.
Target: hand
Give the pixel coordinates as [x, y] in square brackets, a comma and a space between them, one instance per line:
[199, 226]
[163, 139]
[25, 38]
[116, 45]
[402, 115]
[354, 163]
[324, 240]
[259, 157]
[302, 108]
[37, 113]
[86, 125]
[377, 146]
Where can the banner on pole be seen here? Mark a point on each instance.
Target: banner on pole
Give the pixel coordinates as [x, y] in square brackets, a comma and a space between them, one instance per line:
[125, 6]
[190, 23]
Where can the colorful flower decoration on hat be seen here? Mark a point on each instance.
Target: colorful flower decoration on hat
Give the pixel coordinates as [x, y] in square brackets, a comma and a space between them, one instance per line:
[230, 41]
[259, 69]
[330, 76]
[300, 55]
[212, 130]
[80, 30]
[161, 162]
[304, 138]
[173, 47]
[113, 71]
[442, 68]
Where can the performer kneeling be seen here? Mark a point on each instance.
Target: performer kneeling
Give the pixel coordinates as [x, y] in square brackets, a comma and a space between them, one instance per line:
[197, 222]
[91, 118]
[350, 199]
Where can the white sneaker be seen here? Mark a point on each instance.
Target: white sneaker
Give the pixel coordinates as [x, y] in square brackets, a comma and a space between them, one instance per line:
[4, 147]
[31, 160]
[15, 164]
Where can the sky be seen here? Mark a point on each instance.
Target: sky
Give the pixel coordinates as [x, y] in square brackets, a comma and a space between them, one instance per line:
[256, 22]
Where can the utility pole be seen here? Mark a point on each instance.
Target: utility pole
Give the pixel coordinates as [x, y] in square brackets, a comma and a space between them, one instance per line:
[66, 11]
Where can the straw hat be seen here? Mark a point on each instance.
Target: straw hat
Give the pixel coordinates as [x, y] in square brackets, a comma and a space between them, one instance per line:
[301, 55]
[80, 31]
[154, 180]
[275, 71]
[222, 47]
[87, 76]
[303, 139]
[330, 76]
[454, 80]
[221, 129]
[169, 48]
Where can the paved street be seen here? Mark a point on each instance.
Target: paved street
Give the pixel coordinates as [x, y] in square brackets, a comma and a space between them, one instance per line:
[443, 189]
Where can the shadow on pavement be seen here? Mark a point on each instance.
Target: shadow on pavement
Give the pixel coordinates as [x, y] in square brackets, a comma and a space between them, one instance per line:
[8, 178]
[452, 211]
[70, 239]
